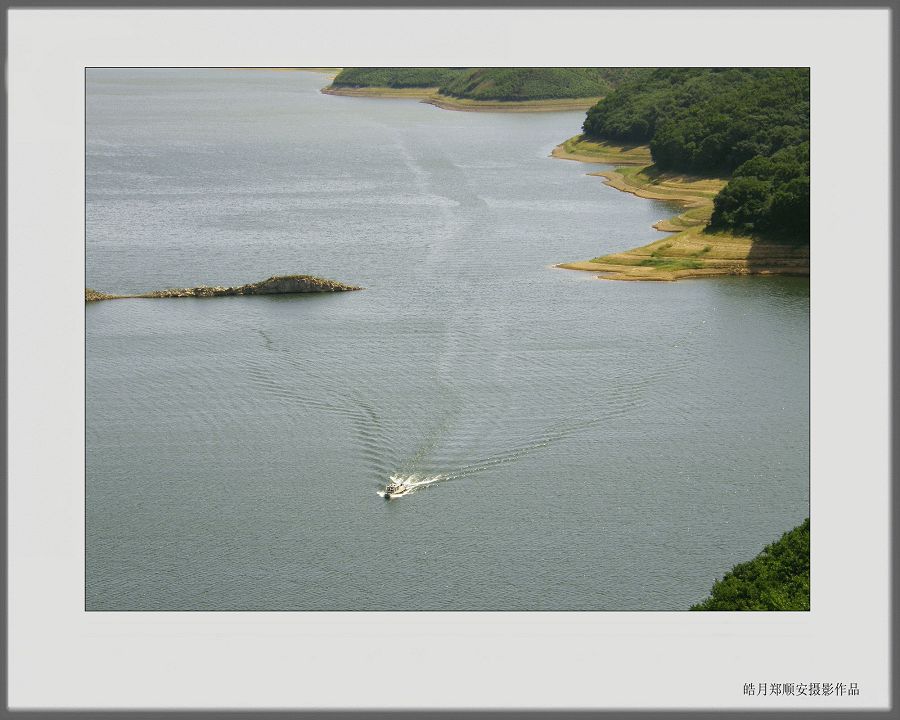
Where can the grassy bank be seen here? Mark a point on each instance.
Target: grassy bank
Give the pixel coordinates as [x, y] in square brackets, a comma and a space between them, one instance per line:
[549, 105]
[583, 150]
[410, 93]
[693, 251]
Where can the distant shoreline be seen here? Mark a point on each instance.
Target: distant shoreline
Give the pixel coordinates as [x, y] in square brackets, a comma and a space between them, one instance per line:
[431, 96]
[332, 72]
[691, 252]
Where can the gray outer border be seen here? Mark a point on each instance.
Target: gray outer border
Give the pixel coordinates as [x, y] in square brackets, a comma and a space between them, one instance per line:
[445, 714]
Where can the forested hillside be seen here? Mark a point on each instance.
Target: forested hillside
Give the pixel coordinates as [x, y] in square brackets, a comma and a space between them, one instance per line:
[396, 77]
[533, 83]
[776, 579]
[509, 84]
[748, 123]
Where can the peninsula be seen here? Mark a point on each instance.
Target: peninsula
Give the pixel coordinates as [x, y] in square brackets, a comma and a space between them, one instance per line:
[275, 285]
[485, 89]
[730, 146]
[695, 249]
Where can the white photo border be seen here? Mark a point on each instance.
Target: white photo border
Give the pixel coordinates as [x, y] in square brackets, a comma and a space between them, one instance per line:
[62, 657]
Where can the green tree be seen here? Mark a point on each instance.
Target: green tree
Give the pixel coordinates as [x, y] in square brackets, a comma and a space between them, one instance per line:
[776, 579]
[749, 123]
[743, 205]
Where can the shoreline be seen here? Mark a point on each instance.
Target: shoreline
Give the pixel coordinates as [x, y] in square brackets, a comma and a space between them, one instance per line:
[549, 105]
[380, 92]
[696, 254]
[590, 151]
[331, 72]
[690, 252]
[431, 96]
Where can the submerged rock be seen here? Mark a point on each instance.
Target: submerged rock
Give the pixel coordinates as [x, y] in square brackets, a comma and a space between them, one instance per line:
[275, 285]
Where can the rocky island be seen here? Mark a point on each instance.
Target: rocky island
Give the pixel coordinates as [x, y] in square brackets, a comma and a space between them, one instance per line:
[275, 285]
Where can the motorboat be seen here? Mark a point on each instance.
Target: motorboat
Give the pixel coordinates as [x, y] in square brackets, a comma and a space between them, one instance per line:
[395, 488]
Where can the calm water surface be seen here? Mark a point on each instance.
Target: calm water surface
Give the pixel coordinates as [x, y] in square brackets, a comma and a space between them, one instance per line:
[595, 445]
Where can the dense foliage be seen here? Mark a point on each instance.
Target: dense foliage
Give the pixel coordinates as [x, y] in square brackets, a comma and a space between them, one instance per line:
[396, 77]
[768, 196]
[511, 84]
[752, 123]
[776, 579]
[514, 84]
[704, 119]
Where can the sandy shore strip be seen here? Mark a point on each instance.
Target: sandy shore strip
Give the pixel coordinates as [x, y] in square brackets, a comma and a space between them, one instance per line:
[381, 92]
[581, 149]
[330, 71]
[692, 252]
[433, 97]
[694, 193]
[552, 105]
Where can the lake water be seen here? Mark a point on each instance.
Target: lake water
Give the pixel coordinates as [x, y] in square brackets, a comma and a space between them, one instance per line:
[597, 445]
